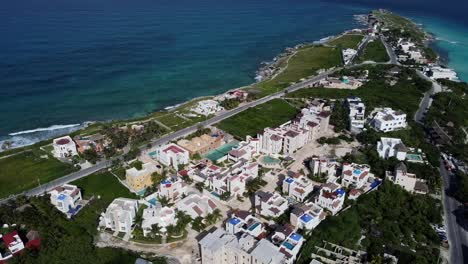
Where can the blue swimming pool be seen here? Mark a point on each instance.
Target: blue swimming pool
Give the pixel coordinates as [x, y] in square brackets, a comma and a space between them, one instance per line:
[288, 245]
[153, 201]
[252, 227]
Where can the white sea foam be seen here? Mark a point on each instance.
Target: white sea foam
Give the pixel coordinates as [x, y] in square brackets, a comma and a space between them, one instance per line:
[42, 129]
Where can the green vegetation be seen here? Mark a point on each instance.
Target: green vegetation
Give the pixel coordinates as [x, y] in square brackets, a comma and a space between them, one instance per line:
[329, 141]
[229, 104]
[405, 27]
[69, 239]
[391, 220]
[255, 119]
[347, 41]
[374, 51]
[462, 188]
[26, 170]
[377, 92]
[306, 62]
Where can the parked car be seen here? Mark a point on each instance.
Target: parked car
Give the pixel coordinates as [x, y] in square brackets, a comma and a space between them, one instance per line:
[439, 228]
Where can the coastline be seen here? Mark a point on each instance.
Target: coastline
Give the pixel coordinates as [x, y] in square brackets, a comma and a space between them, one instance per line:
[30, 137]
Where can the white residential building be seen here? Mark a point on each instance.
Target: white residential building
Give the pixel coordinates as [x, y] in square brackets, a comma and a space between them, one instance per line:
[348, 55]
[64, 147]
[285, 139]
[207, 107]
[307, 216]
[355, 175]
[196, 205]
[297, 187]
[388, 120]
[161, 216]
[243, 221]
[437, 72]
[66, 198]
[234, 178]
[13, 246]
[172, 154]
[270, 204]
[357, 116]
[201, 171]
[391, 147]
[221, 247]
[407, 180]
[172, 188]
[289, 245]
[120, 215]
[331, 197]
[322, 166]
[245, 150]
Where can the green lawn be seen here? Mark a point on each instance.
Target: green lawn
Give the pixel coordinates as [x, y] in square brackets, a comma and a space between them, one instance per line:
[303, 64]
[350, 41]
[25, 170]
[254, 120]
[374, 51]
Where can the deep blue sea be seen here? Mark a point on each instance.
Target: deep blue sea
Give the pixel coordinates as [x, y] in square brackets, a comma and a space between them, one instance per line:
[66, 62]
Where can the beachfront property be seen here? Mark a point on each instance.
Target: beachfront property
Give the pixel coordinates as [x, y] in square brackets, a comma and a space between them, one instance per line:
[407, 180]
[306, 216]
[120, 215]
[243, 221]
[245, 150]
[348, 55]
[202, 144]
[196, 205]
[13, 244]
[238, 94]
[344, 82]
[437, 72]
[172, 188]
[207, 107]
[270, 204]
[388, 120]
[161, 216]
[65, 198]
[391, 147]
[233, 179]
[331, 197]
[323, 167]
[172, 154]
[221, 247]
[357, 118]
[64, 147]
[297, 186]
[138, 180]
[355, 175]
[96, 142]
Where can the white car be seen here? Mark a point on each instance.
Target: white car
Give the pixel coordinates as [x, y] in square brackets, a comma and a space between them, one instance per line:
[440, 228]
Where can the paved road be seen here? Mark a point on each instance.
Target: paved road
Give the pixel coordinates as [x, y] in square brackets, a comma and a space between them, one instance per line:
[390, 52]
[165, 139]
[456, 232]
[427, 99]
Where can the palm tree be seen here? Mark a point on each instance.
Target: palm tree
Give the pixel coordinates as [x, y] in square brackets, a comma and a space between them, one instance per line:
[165, 201]
[155, 229]
[198, 224]
[216, 215]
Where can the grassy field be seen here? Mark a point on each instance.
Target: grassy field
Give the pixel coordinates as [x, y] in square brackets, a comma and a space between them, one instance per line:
[393, 21]
[24, 171]
[374, 51]
[350, 41]
[253, 120]
[303, 64]
[103, 184]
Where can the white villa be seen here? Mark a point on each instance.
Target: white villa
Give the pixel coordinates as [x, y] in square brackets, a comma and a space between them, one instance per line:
[388, 120]
[245, 150]
[172, 188]
[391, 147]
[307, 216]
[172, 154]
[437, 72]
[355, 175]
[297, 187]
[64, 147]
[407, 180]
[357, 116]
[243, 221]
[270, 204]
[65, 198]
[196, 205]
[221, 247]
[207, 107]
[331, 197]
[322, 166]
[161, 216]
[120, 215]
[234, 178]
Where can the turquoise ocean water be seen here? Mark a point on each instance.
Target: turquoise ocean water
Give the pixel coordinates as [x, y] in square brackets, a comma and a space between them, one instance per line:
[63, 63]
